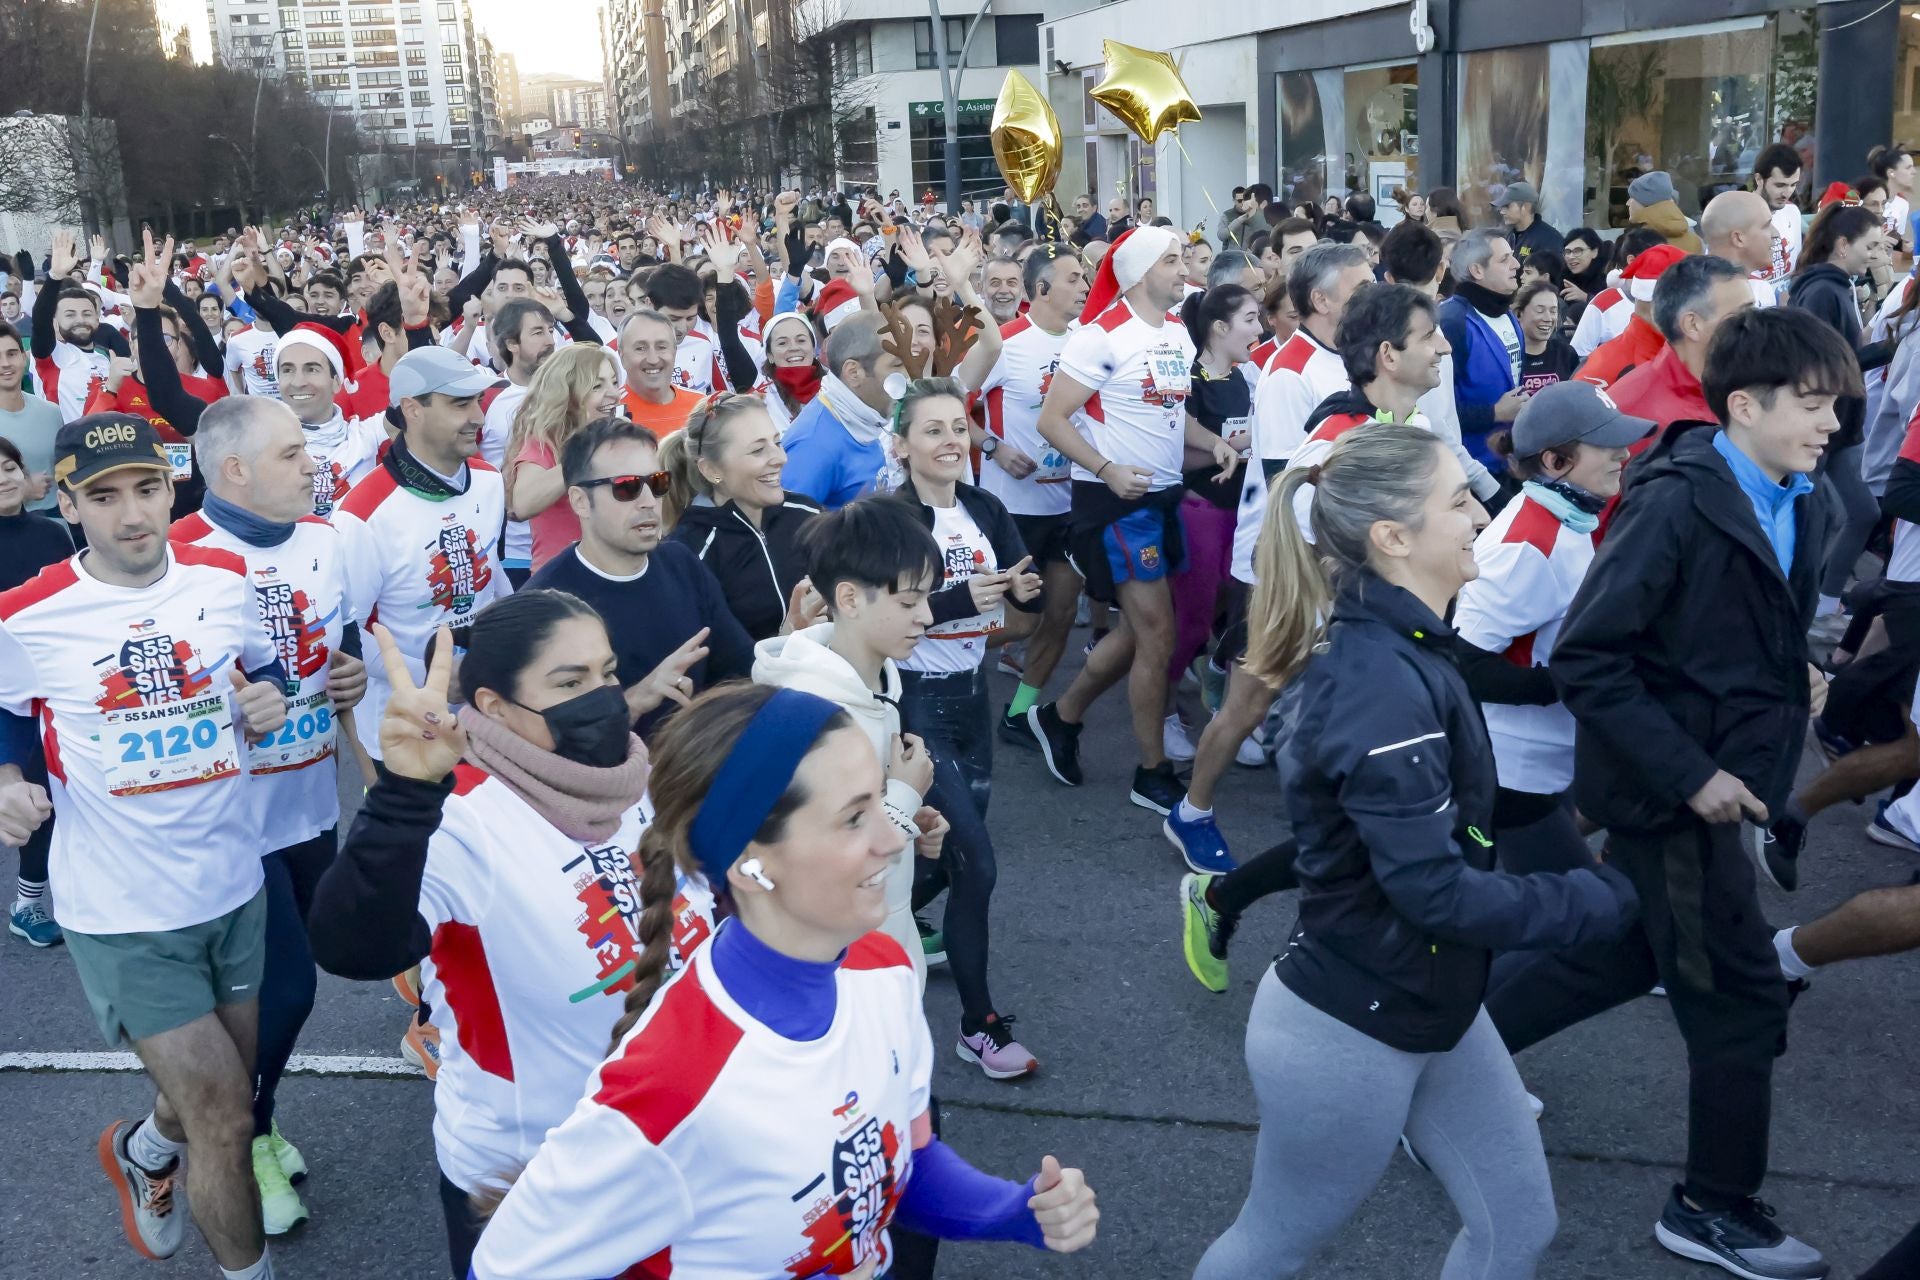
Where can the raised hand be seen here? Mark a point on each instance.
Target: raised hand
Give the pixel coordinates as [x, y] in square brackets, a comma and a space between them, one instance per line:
[148, 285]
[913, 251]
[262, 705]
[416, 291]
[97, 250]
[419, 735]
[724, 254]
[538, 230]
[65, 254]
[500, 235]
[670, 681]
[1063, 1204]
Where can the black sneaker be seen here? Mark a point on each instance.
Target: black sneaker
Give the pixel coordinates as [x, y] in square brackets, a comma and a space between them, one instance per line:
[1059, 743]
[1742, 1240]
[1013, 728]
[1776, 851]
[933, 943]
[1157, 788]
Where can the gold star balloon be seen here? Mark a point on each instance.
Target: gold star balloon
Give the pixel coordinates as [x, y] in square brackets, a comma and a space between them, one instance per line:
[1144, 89]
[1026, 138]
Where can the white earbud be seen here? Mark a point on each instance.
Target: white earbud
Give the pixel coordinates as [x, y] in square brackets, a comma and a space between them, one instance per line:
[753, 871]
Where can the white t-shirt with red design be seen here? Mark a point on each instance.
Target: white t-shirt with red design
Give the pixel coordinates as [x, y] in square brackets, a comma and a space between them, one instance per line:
[1606, 318]
[1140, 374]
[1530, 566]
[414, 562]
[536, 940]
[338, 467]
[1012, 393]
[711, 1148]
[1296, 379]
[250, 354]
[132, 690]
[299, 590]
[68, 376]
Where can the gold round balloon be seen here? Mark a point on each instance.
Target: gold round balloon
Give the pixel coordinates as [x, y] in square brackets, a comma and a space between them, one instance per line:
[1026, 138]
[1145, 90]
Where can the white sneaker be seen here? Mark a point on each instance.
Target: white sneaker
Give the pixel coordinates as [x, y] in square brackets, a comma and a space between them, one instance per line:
[153, 1207]
[1250, 753]
[1174, 740]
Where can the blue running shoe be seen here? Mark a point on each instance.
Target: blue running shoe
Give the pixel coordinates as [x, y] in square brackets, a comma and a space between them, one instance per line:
[1199, 842]
[32, 921]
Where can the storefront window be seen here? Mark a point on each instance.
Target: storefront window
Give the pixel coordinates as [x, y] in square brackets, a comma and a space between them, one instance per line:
[1699, 104]
[979, 175]
[1503, 125]
[1906, 83]
[1344, 131]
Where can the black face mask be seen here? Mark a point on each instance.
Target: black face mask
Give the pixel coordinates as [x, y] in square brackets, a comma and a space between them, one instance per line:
[591, 729]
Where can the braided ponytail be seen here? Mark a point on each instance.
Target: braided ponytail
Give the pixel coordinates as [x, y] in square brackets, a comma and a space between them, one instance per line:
[657, 882]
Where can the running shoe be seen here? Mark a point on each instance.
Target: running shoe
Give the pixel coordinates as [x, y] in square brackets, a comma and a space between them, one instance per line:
[933, 943]
[1157, 788]
[153, 1206]
[1013, 728]
[280, 1207]
[1094, 640]
[1013, 661]
[421, 1047]
[407, 986]
[292, 1163]
[1205, 934]
[1880, 831]
[994, 1050]
[1175, 741]
[1776, 851]
[1829, 744]
[1250, 754]
[1199, 842]
[32, 921]
[1059, 742]
[1742, 1240]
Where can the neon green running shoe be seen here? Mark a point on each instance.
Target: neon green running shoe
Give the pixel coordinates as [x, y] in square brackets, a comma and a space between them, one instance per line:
[1205, 933]
[292, 1163]
[280, 1207]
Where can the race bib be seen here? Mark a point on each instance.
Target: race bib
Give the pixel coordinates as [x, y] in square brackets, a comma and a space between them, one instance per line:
[175, 744]
[306, 737]
[1168, 376]
[180, 457]
[1052, 467]
[1231, 427]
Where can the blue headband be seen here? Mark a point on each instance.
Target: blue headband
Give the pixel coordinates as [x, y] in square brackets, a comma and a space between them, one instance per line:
[755, 775]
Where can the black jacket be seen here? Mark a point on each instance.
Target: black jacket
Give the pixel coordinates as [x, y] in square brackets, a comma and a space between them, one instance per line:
[365, 923]
[757, 568]
[956, 601]
[1685, 651]
[1390, 787]
[1827, 292]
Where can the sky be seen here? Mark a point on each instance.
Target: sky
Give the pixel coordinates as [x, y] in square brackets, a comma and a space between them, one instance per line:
[542, 35]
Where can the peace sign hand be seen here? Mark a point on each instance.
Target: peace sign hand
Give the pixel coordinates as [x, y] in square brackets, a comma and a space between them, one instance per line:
[148, 286]
[419, 736]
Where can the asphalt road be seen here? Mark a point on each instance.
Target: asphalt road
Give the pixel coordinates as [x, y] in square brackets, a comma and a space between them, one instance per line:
[1142, 1084]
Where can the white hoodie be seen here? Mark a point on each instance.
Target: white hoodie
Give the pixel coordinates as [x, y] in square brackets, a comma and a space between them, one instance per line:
[803, 661]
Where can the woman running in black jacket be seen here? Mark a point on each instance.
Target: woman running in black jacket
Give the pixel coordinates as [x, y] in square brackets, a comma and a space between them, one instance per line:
[1370, 1025]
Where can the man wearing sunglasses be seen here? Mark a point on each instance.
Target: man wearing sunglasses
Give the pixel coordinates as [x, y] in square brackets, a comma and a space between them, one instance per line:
[671, 628]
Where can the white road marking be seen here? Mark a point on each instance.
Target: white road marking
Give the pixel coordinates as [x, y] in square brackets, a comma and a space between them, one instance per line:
[301, 1064]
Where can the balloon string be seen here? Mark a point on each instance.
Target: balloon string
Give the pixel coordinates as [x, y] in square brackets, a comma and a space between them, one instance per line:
[1211, 203]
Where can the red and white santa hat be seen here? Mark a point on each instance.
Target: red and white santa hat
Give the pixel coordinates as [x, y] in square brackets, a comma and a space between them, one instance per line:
[1639, 278]
[317, 337]
[834, 303]
[1126, 263]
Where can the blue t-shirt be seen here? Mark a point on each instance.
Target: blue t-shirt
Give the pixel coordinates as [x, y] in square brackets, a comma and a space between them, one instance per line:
[825, 462]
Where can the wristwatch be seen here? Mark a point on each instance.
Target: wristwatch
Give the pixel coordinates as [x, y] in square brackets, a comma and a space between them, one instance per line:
[989, 445]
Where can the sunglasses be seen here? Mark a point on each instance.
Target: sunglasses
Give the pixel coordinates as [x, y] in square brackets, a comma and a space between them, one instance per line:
[627, 488]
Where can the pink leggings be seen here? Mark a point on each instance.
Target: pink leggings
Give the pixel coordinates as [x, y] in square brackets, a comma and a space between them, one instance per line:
[1196, 588]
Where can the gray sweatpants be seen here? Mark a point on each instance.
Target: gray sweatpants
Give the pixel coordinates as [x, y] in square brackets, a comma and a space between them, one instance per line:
[1333, 1103]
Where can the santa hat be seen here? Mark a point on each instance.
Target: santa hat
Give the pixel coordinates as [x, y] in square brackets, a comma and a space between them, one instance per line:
[1127, 261]
[834, 303]
[320, 339]
[1838, 193]
[1647, 268]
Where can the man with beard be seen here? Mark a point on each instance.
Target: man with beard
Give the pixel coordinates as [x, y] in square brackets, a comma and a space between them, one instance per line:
[1002, 286]
[70, 348]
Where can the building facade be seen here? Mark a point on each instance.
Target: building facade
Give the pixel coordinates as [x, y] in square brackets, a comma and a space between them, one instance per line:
[1321, 97]
[406, 75]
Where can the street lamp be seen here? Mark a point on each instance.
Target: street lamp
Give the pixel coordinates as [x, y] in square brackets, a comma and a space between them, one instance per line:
[950, 89]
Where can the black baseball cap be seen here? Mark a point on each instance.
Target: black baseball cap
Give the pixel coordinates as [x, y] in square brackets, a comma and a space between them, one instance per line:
[90, 447]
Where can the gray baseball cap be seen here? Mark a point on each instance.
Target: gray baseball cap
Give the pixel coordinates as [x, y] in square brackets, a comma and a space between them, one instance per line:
[424, 371]
[1520, 193]
[1575, 412]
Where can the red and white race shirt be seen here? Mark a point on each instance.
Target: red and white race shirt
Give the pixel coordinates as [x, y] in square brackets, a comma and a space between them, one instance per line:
[1012, 392]
[697, 363]
[711, 1148]
[131, 689]
[301, 595]
[339, 464]
[1300, 374]
[1530, 566]
[1605, 319]
[536, 940]
[414, 562]
[250, 354]
[69, 376]
[1141, 375]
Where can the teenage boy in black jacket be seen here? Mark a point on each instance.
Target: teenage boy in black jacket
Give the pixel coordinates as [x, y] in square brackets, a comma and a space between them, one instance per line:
[1684, 661]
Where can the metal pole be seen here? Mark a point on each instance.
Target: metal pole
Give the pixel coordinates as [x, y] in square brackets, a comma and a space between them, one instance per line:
[950, 90]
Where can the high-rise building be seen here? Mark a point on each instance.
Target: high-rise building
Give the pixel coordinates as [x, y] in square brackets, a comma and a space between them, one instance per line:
[634, 46]
[406, 73]
[506, 75]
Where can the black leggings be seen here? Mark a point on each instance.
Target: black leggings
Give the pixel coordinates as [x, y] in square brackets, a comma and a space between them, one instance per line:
[1901, 1263]
[1267, 874]
[463, 1227]
[33, 854]
[287, 982]
[952, 714]
[1534, 832]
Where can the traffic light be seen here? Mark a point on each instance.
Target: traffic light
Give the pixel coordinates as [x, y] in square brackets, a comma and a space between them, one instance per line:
[576, 137]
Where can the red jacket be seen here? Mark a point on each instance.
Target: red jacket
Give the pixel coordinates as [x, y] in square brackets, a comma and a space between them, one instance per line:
[1662, 390]
[132, 398]
[1612, 359]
